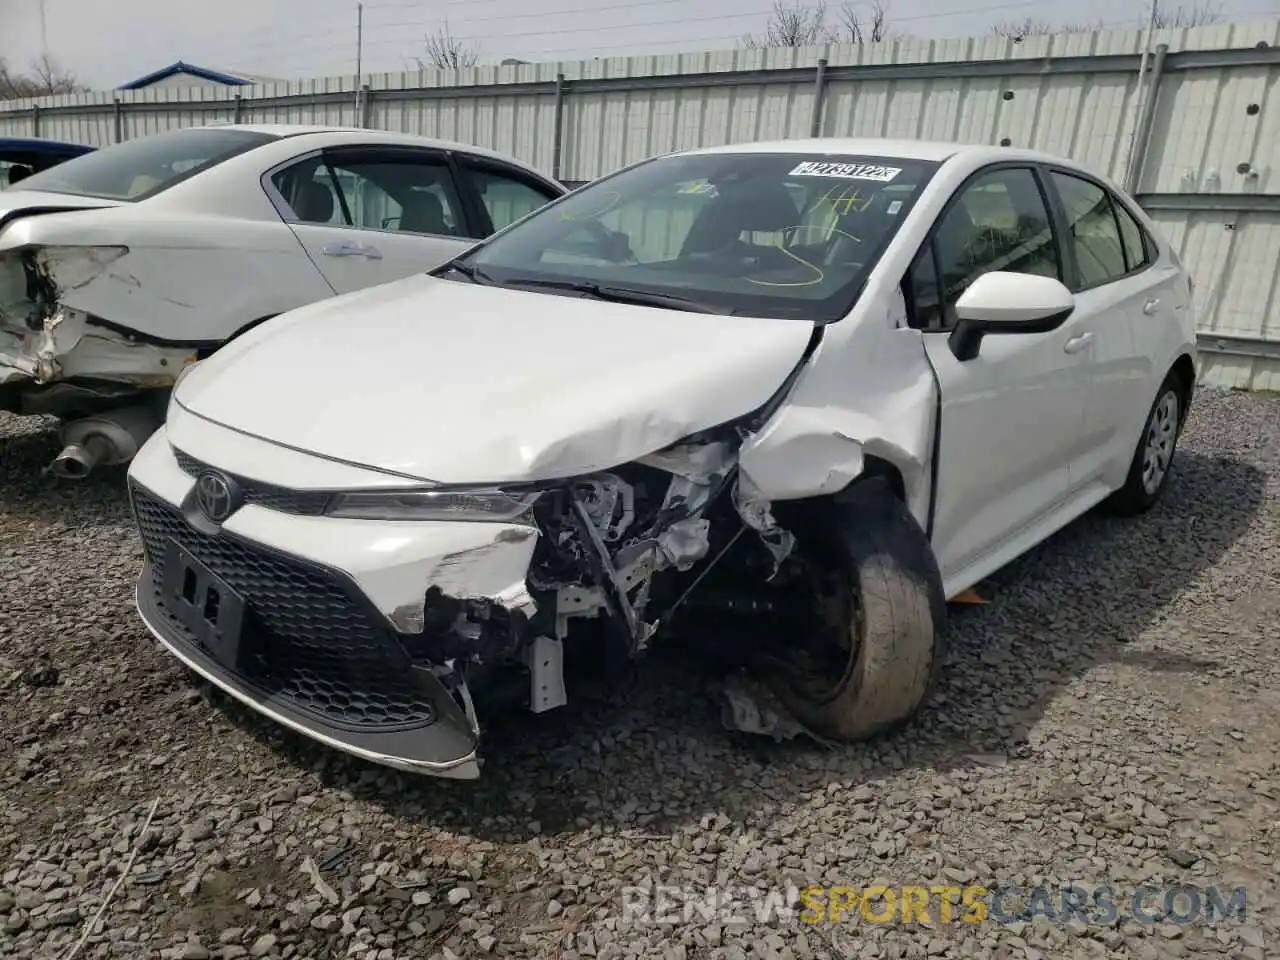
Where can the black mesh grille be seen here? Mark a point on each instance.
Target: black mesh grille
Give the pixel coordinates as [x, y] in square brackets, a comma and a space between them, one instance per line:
[304, 638]
[309, 503]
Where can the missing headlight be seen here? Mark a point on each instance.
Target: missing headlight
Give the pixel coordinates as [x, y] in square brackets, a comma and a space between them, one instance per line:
[476, 506]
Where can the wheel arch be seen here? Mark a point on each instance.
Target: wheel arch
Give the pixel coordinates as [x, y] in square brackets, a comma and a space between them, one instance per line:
[822, 509]
[1185, 369]
[878, 468]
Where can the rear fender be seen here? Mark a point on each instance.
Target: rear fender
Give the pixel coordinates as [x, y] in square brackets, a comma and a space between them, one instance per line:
[176, 281]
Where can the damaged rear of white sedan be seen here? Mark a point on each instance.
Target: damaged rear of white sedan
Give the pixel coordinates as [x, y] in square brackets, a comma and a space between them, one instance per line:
[783, 400]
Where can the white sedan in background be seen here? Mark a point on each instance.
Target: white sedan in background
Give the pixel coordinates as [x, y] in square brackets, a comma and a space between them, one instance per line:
[829, 384]
[119, 267]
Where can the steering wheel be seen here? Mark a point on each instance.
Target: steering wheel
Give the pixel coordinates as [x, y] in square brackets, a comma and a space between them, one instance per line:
[610, 242]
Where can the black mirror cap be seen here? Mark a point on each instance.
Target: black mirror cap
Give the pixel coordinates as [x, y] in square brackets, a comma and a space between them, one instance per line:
[966, 337]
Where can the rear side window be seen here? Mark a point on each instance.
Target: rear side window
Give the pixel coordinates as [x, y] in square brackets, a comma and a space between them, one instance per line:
[138, 169]
[1092, 231]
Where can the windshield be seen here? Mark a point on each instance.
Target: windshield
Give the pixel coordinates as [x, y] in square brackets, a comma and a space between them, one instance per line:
[754, 234]
[138, 169]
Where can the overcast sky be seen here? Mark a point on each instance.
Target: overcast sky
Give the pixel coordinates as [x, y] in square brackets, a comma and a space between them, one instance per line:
[109, 42]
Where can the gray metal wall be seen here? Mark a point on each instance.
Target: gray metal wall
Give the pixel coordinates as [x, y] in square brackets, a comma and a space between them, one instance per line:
[1209, 137]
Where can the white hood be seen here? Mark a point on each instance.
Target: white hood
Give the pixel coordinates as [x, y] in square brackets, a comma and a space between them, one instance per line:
[458, 383]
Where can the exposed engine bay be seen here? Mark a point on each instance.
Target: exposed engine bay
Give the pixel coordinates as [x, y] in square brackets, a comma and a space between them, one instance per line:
[620, 553]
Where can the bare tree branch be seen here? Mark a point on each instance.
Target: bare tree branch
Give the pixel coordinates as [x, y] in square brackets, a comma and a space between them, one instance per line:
[803, 23]
[793, 24]
[444, 51]
[858, 27]
[1031, 27]
[45, 78]
[1197, 15]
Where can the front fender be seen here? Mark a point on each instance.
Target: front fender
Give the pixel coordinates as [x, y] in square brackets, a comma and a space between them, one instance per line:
[865, 394]
[814, 453]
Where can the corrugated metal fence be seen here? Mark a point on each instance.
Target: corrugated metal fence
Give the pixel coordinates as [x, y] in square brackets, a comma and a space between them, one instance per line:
[1193, 130]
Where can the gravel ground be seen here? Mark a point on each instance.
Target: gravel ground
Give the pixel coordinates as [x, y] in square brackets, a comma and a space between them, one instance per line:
[1109, 718]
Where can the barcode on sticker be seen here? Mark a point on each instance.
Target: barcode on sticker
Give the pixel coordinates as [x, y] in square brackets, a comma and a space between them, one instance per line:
[846, 171]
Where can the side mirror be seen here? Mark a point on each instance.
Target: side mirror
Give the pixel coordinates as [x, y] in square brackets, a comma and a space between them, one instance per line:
[1002, 302]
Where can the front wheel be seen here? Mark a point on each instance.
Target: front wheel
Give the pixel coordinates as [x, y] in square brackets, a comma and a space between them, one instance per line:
[1153, 458]
[872, 659]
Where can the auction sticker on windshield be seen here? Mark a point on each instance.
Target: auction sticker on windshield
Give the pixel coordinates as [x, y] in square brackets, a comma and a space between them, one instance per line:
[846, 171]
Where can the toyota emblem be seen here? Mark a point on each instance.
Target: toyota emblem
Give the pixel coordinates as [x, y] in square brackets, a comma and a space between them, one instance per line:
[216, 496]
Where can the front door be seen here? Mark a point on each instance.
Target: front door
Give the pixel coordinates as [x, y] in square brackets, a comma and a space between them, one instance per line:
[1011, 417]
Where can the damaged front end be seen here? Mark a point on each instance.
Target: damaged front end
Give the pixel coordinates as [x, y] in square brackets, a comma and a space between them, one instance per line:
[517, 585]
[616, 554]
[104, 381]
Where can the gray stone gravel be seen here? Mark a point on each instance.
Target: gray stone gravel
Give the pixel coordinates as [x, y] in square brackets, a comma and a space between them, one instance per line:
[1111, 717]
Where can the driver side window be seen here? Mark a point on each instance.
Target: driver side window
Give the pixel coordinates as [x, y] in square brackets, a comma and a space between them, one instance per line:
[999, 221]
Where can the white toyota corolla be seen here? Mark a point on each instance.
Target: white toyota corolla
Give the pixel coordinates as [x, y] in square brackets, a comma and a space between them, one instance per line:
[827, 383]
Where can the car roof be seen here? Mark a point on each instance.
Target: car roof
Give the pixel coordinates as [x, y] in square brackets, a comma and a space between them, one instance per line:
[936, 151]
[366, 134]
[30, 144]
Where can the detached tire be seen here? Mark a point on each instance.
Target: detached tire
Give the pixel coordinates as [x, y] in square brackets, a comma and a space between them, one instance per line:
[1153, 459]
[893, 620]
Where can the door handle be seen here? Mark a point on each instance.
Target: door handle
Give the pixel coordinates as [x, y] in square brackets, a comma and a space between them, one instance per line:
[347, 248]
[1150, 306]
[1077, 343]
[343, 249]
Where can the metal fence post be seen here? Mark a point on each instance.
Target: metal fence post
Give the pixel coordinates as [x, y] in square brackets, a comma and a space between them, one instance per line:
[1146, 122]
[557, 145]
[35, 119]
[117, 111]
[819, 93]
[366, 106]
[238, 114]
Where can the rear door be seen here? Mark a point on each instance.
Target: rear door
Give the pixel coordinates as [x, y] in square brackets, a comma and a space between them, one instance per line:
[372, 214]
[1116, 279]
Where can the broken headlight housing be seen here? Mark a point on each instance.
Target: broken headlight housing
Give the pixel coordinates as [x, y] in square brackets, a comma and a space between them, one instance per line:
[489, 505]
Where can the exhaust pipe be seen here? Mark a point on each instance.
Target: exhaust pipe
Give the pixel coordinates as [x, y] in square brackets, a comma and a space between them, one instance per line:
[76, 461]
[107, 440]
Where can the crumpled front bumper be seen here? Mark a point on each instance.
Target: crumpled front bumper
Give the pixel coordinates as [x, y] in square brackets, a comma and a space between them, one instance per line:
[332, 644]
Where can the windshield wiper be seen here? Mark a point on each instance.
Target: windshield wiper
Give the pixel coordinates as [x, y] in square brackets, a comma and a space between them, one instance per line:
[614, 294]
[474, 274]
